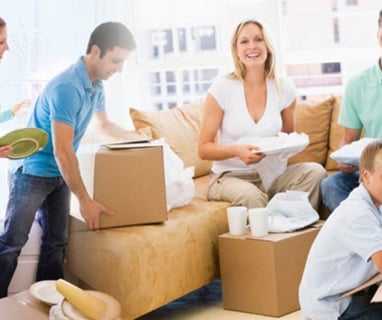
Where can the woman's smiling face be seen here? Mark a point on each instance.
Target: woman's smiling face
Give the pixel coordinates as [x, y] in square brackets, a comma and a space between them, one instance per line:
[251, 48]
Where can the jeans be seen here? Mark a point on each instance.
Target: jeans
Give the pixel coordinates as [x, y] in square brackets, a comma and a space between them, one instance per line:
[360, 307]
[50, 199]
[337, 187]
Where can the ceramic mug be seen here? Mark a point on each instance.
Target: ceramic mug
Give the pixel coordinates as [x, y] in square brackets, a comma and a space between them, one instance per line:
[237, 220]
[259, 221]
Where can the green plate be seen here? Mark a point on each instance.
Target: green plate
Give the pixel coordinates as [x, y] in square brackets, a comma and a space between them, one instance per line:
[25, 142]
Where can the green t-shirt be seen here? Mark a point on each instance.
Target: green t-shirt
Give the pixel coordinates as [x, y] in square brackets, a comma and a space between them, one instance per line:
[362, 103]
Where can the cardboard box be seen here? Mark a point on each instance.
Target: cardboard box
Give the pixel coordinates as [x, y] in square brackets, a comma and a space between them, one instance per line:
[25, 274]
[376, 279]
[262, 275]
[23, 306]
[131, 182]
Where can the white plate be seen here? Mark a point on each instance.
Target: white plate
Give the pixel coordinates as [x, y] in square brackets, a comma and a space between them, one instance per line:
[354, 161]
[270, 145]
[272, 150]
[46, 291]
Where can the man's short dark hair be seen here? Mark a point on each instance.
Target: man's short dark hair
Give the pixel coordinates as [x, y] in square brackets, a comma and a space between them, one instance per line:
[2, 22]
[380, 19]
[109, 35]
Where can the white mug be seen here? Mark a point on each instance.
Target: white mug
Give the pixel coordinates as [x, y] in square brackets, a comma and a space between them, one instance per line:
[237, 220]
[259, 221]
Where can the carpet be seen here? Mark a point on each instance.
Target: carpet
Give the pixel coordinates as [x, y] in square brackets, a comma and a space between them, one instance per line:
[203, 297]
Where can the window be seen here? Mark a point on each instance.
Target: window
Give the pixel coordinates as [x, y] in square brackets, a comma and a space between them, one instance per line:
[351, 2]
[180, 51]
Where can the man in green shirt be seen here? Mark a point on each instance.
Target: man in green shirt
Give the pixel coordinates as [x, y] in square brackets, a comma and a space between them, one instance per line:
[361, 110]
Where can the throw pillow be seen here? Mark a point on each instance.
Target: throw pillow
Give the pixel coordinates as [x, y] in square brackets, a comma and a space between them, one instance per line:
[336, 132]
[313, 118]
[180, 128]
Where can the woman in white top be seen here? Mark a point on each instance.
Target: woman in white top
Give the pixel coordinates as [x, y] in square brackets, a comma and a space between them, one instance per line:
[252, 101]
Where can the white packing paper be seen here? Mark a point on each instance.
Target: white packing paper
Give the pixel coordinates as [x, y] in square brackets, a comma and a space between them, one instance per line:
[278, 150]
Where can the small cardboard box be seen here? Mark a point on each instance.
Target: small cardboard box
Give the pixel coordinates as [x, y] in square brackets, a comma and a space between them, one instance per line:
[131, 182]
[262, 275]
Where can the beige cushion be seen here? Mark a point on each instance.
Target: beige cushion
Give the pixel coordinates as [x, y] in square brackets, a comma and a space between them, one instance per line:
[313, 118]
[336, 132]
[180, 128]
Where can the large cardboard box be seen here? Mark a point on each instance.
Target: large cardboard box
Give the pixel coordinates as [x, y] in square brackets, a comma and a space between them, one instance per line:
[131, 182]
[23, 306]
[262, 275]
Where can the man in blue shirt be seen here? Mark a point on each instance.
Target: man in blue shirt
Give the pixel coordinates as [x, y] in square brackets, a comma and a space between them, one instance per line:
[43, 182]
[360, 111]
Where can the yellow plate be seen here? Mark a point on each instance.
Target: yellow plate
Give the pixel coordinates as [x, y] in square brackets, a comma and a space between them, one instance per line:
[25, 142]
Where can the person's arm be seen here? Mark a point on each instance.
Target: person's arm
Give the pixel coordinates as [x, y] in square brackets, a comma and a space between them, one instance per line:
[377, 259]
[209, 149]
[288, 118]
[62, 135]
[349, 136]
[22, 104]
[112, 131]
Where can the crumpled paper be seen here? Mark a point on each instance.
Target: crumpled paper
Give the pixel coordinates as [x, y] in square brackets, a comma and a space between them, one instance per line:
[291, 211]
[278, 150]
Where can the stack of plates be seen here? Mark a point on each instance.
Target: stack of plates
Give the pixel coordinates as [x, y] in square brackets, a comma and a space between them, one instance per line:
[25, 142]
[46, 292]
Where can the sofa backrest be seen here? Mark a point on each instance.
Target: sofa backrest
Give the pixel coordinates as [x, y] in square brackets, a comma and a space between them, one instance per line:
[318, 119]
[180, 129]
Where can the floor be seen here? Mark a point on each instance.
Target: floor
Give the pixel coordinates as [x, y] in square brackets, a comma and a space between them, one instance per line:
[206, 304]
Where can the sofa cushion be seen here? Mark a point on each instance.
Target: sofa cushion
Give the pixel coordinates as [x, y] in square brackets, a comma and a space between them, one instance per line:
[336, 132]
[180, 129]
[313, 118]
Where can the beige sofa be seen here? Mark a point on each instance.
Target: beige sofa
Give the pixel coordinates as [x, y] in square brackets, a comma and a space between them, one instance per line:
[145, 267]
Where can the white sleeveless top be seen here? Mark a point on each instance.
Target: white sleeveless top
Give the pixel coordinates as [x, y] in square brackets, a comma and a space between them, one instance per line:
[237, 122]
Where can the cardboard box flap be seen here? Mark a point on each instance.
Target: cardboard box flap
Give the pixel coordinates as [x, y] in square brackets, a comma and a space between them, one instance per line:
[377, 295]
[373, 280]
[129, 144]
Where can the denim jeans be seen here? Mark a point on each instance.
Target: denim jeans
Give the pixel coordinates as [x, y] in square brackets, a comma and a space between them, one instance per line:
[360, 307]
[50, 199]
[337, 187]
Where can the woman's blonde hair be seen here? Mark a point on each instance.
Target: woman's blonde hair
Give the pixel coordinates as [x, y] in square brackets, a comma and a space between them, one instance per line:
[270, 63]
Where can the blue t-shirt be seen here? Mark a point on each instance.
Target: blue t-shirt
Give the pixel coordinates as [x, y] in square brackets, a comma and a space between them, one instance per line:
[70, 98]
